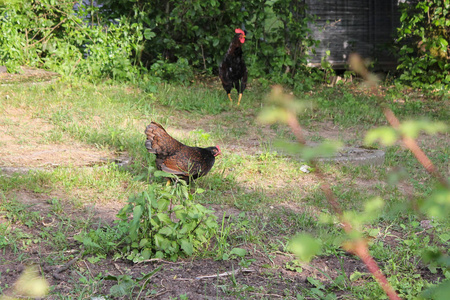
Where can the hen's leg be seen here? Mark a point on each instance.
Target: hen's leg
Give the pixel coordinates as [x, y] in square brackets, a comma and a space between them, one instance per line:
[243, 84]
[228, 88]
[239, 100]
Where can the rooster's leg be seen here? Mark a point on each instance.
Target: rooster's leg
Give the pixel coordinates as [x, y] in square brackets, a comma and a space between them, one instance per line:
[239, 100]
[229, 97]
[168, 182]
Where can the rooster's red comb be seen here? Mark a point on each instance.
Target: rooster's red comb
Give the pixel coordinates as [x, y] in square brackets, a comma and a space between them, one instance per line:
[238, 30]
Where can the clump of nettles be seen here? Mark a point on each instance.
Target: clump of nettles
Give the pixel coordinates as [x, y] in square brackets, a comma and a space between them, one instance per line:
[165, 223]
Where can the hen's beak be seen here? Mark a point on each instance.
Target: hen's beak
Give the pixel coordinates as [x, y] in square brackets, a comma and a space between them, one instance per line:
[218, 153]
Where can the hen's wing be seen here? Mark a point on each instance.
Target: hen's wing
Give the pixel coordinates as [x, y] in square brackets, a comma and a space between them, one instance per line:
[189, 161]
[244, 78]
[159, 141]
[224, 75]
[177, 164]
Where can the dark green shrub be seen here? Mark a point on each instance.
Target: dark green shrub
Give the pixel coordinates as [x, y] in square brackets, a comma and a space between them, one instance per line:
[52, 34]
[200, 31]
[425, 54]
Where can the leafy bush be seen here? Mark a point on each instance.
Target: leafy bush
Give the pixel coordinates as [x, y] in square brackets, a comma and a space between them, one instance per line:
[161, 222]
[156, 226]
[180, 71]
[57, 35]
[200, 31]
[116, 38]
[425, 54]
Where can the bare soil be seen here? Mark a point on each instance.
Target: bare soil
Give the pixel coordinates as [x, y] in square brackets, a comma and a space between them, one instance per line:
[268, 277]
[28, 75]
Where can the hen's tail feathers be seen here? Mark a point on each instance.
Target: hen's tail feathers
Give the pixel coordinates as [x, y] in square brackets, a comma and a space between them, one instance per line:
[158, 140]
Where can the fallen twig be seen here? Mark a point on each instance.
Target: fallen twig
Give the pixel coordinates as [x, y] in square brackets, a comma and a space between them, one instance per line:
[229, 273]
[183, 279]
[159, 260]
[118, 269]
[160, 293]
[270, 295]
[67, 265]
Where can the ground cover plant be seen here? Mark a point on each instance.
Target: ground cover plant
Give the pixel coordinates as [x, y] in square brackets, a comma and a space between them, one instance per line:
[72, 158]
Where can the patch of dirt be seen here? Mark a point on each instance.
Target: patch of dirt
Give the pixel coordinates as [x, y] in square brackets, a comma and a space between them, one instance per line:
[28, 75]
[27, 143]
[36, 202]
[51, 205]
[197, 279]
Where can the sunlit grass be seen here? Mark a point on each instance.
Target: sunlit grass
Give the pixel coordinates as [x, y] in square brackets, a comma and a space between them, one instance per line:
[272, 197]
[98, 184]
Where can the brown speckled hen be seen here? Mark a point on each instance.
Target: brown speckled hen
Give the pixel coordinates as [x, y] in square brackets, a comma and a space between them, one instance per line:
[176, 158]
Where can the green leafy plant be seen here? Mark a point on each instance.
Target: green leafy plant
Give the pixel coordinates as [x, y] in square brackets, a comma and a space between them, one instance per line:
[123, 39]
[100, 241]
[277, 42]
[126, 284]
[56, 35]
[424, 35]
[327, 67]
[180, 71]
[165, 223]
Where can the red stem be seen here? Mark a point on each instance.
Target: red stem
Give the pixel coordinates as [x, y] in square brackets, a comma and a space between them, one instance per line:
[411, 144]
[359, 247]
[362, 251]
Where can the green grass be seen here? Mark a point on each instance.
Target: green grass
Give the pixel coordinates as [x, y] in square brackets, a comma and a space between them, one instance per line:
[270, 199]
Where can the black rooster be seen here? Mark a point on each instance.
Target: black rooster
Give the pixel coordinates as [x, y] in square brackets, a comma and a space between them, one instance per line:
[232, 70]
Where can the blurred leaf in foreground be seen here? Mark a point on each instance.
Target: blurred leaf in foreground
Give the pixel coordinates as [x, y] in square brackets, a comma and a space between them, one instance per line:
[281, 107]
[413, 128]
[386, 135]
[304, 246]
[30, 285]
[437, 205]
[323, 150]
